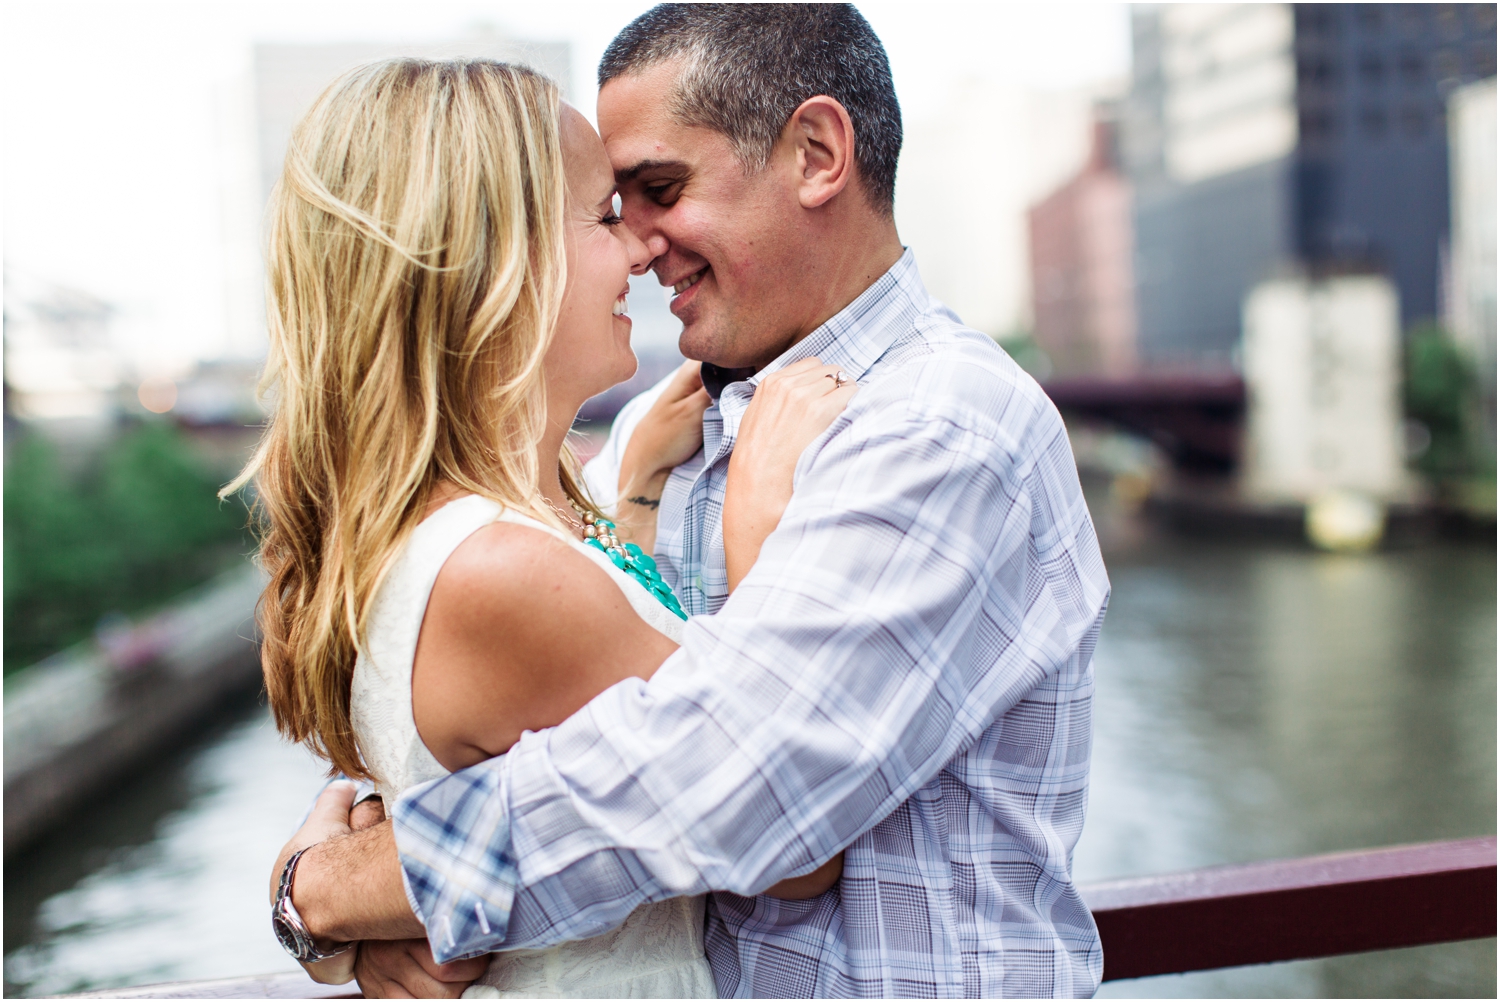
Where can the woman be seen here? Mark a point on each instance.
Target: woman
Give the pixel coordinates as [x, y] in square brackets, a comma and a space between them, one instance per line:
[448, 280]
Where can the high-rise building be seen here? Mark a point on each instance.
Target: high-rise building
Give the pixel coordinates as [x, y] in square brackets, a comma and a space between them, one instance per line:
[1269, 139]
[288, 78]
[1082, 290]
[285, 81]
[1471, 294]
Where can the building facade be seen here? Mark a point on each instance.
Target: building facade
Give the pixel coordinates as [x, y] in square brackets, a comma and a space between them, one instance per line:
[1471, 291]
[288, 78]
[1275, 139]
[1082, 287]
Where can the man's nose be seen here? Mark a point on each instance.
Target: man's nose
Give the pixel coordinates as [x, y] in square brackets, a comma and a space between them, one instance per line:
[656, 245]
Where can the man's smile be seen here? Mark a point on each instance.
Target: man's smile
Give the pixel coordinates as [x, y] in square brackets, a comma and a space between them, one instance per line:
[687, 283]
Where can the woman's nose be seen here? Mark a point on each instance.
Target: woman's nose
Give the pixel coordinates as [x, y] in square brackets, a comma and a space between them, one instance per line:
[642, 252]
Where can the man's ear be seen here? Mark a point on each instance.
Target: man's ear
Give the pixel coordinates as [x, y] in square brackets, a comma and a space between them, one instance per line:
[823, 139]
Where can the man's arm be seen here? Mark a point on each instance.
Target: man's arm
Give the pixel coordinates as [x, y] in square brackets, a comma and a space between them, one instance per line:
[349, 888]
[396, 968]
[850, 666]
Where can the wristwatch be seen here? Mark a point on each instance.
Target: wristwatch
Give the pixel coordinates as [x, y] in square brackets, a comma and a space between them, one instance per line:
[288, 925]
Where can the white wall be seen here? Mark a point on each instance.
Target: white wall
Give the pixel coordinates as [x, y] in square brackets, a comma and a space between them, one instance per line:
[1471, 149]
[1322, 369]
[1230, 87]
[969, 171]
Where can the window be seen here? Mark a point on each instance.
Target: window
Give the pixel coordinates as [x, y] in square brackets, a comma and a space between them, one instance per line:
[1410, 62]
[1446, 16]
[1482, 61]
[1448, 65]
[1317, 71]
[1315, 18]
[1413, 121]
[1317, 124]
[1413, 17]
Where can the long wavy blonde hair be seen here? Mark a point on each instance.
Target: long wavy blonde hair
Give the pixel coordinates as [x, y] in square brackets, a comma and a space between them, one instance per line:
[416, 267]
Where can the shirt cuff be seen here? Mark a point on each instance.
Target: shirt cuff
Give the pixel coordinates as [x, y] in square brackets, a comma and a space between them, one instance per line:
[364, 789]
[453, 838]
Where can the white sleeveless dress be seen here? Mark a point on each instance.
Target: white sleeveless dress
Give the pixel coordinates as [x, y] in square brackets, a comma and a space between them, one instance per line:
[658, 951]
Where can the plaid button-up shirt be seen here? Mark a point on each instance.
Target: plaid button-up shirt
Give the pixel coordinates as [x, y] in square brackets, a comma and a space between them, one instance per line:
[905, 674]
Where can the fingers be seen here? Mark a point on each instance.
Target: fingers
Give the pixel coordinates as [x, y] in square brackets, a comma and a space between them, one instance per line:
[404, 969]
[329, 817]
[333, 803]
[333, 971]
[367, 813]
[803, 370]
[798, 368]
[687, 378]
[812, 380]
[455, 970]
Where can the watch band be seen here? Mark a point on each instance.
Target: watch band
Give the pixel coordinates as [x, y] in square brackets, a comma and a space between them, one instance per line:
[290, 930]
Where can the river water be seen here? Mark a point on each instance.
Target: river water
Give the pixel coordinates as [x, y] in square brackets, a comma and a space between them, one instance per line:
[1254, 701]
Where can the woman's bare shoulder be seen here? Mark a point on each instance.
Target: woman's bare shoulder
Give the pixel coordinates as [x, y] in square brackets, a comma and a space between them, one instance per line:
[511, 571]
[521, 630]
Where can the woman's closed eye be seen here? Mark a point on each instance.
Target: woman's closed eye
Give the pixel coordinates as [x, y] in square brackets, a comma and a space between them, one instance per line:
[610, 216]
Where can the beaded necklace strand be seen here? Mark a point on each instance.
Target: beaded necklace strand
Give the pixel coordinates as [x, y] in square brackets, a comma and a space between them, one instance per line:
[600, 534]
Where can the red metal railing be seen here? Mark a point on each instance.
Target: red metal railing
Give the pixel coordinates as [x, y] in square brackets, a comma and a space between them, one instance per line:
[1297, 909]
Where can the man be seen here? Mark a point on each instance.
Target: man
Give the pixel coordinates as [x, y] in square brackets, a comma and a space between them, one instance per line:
[905, 674]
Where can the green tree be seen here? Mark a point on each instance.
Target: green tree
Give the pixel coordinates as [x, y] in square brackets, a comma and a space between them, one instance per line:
[139, 523]
[1440, 392]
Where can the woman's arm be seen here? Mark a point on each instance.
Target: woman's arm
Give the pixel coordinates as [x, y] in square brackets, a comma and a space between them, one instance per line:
[791, 408]
[520, 632]
[667, 436]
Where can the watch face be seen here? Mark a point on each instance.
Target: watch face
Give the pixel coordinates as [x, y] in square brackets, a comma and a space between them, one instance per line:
[287, 935]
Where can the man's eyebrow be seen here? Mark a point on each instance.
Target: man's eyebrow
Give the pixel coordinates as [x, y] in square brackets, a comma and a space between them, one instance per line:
[640, 167]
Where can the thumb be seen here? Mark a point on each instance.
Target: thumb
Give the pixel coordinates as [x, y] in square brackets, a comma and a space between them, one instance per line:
[328, 817]
[332, 808]
[689, 377]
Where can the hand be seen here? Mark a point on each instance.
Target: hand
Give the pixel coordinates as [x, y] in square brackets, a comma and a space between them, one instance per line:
[791, 408]
[667, 436]
[404, 969]
[672, 430]
[367, 814]
[329, 817]
[810, 885]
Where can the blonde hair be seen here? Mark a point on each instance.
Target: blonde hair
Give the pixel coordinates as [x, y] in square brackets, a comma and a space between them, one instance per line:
[416, 267]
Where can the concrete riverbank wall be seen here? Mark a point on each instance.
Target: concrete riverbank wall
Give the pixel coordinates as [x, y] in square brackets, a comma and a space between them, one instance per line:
[87, 717]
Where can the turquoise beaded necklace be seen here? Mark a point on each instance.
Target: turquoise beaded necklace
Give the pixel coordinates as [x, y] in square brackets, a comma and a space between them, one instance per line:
[600, 534]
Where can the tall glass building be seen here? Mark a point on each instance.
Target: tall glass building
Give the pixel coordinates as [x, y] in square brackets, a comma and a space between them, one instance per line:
[1268, 139]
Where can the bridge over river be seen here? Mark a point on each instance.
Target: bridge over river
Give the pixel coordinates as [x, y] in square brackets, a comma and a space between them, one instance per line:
[1254, 702]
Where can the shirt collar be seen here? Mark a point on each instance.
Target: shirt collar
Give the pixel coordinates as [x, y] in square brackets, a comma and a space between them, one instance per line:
[715, 377]
[854, 338]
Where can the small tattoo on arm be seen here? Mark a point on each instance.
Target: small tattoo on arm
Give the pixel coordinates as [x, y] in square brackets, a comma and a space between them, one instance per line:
[645, 502]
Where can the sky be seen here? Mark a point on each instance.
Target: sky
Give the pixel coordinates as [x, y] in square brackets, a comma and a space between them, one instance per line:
[123, 130]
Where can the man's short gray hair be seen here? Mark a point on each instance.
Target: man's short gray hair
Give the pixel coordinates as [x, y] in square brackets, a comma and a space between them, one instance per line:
[747, 67]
